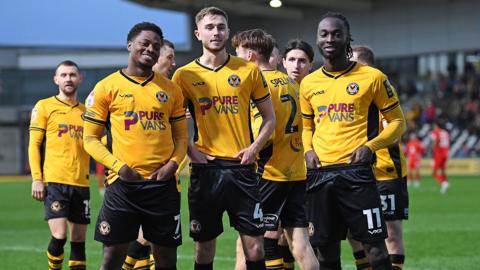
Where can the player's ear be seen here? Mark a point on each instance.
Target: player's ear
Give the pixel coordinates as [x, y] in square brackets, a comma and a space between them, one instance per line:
[284, 63]
[55, 79]
[197, 34]
[129, 45]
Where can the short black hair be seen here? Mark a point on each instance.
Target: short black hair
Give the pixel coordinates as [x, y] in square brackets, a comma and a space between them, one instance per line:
[168, 43]
[298, 44]
[341, 17]
[143, 26]
[68, 63]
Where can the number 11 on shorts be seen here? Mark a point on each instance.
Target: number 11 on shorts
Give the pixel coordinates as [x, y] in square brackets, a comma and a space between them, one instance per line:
[369, 213]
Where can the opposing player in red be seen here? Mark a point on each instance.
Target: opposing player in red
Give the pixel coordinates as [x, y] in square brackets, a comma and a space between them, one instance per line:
[414, 151]
[440, 146]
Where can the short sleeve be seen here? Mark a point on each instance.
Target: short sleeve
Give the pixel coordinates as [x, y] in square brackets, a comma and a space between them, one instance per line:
[260, 91]
[385, 95]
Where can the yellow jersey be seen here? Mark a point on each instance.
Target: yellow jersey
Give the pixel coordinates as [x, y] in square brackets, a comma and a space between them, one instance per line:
[139, 114]
[345, 107]
[219, 101]
[282, 157]
[391, 163]
[58, 125]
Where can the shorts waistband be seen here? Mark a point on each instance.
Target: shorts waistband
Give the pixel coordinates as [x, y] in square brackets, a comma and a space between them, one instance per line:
[222, 164]
[341, 166]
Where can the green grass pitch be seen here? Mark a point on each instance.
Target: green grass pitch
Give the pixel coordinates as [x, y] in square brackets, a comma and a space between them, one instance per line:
[443, 231]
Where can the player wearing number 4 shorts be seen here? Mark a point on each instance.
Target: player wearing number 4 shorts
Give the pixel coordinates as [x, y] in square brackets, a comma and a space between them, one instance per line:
[341, 103]
[218, 88]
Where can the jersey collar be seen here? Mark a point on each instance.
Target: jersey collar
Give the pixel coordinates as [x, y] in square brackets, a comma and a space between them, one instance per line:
[338, 74]
[135, 82]
[212, 69]
[65, 103]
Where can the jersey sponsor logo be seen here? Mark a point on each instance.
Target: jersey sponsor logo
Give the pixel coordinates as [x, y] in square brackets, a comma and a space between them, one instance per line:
[234, 80]
[90, 100]
[149, 120]
[337, 112]
[56, 206]
[195, 226]
[221, 104]
[198, 83]
[104, 228]
[353, 88]
[282, 81]
[318, 92]
[161, 96]
[34, 114]
[74, 131]
[388, 88]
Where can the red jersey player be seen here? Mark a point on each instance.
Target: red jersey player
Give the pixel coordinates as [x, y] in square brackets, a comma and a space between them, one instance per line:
[414, 151]
[440, 146]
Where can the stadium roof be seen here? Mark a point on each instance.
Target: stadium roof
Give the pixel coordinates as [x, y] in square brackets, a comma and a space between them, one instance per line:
[291, 9]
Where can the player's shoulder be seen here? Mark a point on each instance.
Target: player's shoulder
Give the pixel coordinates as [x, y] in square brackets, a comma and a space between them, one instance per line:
[373, 72]
[110, 79]
[46, 101]
[191, 66]
[165, 83]
[235, 62]
[314, 76]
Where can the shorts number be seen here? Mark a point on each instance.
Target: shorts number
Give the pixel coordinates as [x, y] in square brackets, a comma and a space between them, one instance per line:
[87, 208]
[177, 228]
[385, 204]
[258, 213]
[290, 128]
[376, 212]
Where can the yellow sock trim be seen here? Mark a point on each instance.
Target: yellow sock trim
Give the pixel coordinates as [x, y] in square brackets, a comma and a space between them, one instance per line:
[54, 262]
[129, 263]
[77, 264]
[274, 264]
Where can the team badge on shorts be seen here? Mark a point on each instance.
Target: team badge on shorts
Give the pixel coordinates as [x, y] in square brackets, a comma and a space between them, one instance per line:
[311, 229]
[234, 80]
[161, 96]
[353, 88]
[195, 226]
[56, 206]
[104, 228]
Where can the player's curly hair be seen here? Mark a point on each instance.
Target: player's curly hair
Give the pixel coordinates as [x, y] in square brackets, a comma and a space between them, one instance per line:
[143, 26]
[341, 17]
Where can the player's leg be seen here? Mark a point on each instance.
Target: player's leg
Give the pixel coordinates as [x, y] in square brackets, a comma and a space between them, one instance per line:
[239, 255]
[301, 249]
[443, 175]
[395, 245]
[78, 259]
[253, 250]
[55, 251]
[165, 257]
[113, 256]
[273, 257]
[284, 249]
[293, 218]
[328, 255]
[361, 208]
[78, 220]
[204, 254]
[361, 261]
[138, 255]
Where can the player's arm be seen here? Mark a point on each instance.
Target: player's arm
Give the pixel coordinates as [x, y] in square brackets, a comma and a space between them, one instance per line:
[311, 157]
[93, 127]
[38, 125]
[249, 154]
[386, 99]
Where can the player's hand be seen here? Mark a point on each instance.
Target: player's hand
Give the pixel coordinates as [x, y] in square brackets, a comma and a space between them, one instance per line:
[38, 190]
[362, 154]
[312, 160]
[166, 172]
[197, 156]
[128, 174]
[247, 155]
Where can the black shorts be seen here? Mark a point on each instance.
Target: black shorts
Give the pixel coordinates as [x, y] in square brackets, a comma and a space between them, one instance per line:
[394, 196]
[284, 202]
[220, 186]
[342, 197]
[67, 201]
[155, 205]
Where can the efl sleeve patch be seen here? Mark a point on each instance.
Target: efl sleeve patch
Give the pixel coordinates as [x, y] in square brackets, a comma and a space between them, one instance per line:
[389, 89]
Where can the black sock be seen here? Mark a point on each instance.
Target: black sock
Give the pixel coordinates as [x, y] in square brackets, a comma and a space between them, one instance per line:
[335, 265]
[397, 261]
[55, 253]
[136, 251]
[207, 266]
[78, 259]
[256, 265]
[288, 260]
[384, 264]
[165, 268]
[361, 260]
[273, 258]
